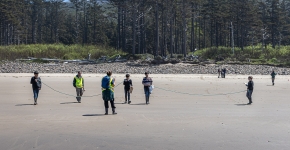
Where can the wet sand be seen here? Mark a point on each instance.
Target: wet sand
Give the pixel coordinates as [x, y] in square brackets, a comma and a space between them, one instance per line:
[172, 121]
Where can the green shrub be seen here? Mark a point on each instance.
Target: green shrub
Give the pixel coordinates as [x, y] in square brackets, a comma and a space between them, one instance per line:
[58, 51]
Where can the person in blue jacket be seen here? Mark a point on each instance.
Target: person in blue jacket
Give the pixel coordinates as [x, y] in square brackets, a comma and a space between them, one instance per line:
[108, 84]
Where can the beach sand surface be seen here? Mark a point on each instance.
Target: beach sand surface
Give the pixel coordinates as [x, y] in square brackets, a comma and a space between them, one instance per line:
[186, 112]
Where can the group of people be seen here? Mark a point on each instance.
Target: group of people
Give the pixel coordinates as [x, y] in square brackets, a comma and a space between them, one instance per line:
[108, 84]
[222, 73]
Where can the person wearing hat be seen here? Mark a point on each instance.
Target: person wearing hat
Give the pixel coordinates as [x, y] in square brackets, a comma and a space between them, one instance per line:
[147, 82]
[108, 84]
[250, 89]
[79, 85]
[127, 86]
[36, 86]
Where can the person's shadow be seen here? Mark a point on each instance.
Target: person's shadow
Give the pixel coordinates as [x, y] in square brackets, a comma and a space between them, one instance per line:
[24, 105]
[139, 104]
[241, 104]
[69, 103]
[92, 115]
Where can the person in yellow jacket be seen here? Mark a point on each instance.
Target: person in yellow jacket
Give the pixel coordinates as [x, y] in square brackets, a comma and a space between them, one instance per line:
[78, 83]
[108, 84]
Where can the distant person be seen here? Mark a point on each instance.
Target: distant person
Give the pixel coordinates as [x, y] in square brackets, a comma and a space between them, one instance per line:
[147, 82]
[36, 86]
[219, 73]
[224, 72]
[79, 85]
[250, 89]
[108, 84]
[127, 88]
[273, 74]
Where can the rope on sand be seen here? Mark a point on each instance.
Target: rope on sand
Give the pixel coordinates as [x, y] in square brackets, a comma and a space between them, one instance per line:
[74, 95]
[184, 93]
[173, 91]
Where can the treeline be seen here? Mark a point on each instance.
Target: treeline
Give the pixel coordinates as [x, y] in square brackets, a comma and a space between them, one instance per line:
[159, 27]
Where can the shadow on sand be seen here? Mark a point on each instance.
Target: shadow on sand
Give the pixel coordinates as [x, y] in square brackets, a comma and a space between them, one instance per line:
[91, 115]
[24, 105]
[242, 104]
[139, 104]
[120, 103]
[69, 103]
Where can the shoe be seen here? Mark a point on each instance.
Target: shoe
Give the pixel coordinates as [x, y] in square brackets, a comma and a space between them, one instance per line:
[125, 102]
[129, 102]
[35, 103]
[114, 112]
[106, 109]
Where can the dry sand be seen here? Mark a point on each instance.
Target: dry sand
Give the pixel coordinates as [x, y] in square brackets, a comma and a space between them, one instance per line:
[172, 121]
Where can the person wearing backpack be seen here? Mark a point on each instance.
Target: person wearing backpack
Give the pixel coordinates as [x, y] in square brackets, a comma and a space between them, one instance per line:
[108, 84]
[127, 86]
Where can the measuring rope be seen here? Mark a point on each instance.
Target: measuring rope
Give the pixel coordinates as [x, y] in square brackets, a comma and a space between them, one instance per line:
[74, 95]
[231, 93]
[199, 94]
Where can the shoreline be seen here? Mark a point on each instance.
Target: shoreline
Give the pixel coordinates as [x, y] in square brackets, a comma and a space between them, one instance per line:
[229, 76]
[140, 68]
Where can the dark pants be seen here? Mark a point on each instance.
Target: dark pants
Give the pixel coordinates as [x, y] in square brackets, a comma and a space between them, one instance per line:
[273, 80]
[107, 104]
[127, 94]
[249, 95]
[35, 93]
[79, 93]
[147, 93]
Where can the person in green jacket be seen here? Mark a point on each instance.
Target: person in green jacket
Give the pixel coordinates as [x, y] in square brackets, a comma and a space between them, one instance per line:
[78, 83]
[273, 74]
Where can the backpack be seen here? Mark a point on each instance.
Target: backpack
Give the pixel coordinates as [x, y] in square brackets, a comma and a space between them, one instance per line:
[105, 82]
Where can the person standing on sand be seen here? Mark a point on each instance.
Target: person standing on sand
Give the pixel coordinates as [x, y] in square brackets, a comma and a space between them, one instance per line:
[219, 72]
[36, 86]
[224, 72]
[147, 82]
[250, 89]
[78, 83]
[108, 84]
[273, 74]
[127, 86]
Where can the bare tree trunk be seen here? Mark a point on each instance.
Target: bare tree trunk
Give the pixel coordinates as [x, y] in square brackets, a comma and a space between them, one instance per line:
[119, 26]
[157, 31]
[192, 45]
[124, 30]
[134, 28]
[184, 29]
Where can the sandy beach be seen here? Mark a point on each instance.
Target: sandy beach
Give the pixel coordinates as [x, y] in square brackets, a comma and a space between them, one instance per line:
[186, 112]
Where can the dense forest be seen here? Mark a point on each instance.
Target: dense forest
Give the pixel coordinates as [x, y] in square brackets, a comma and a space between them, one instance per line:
[158, 27]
